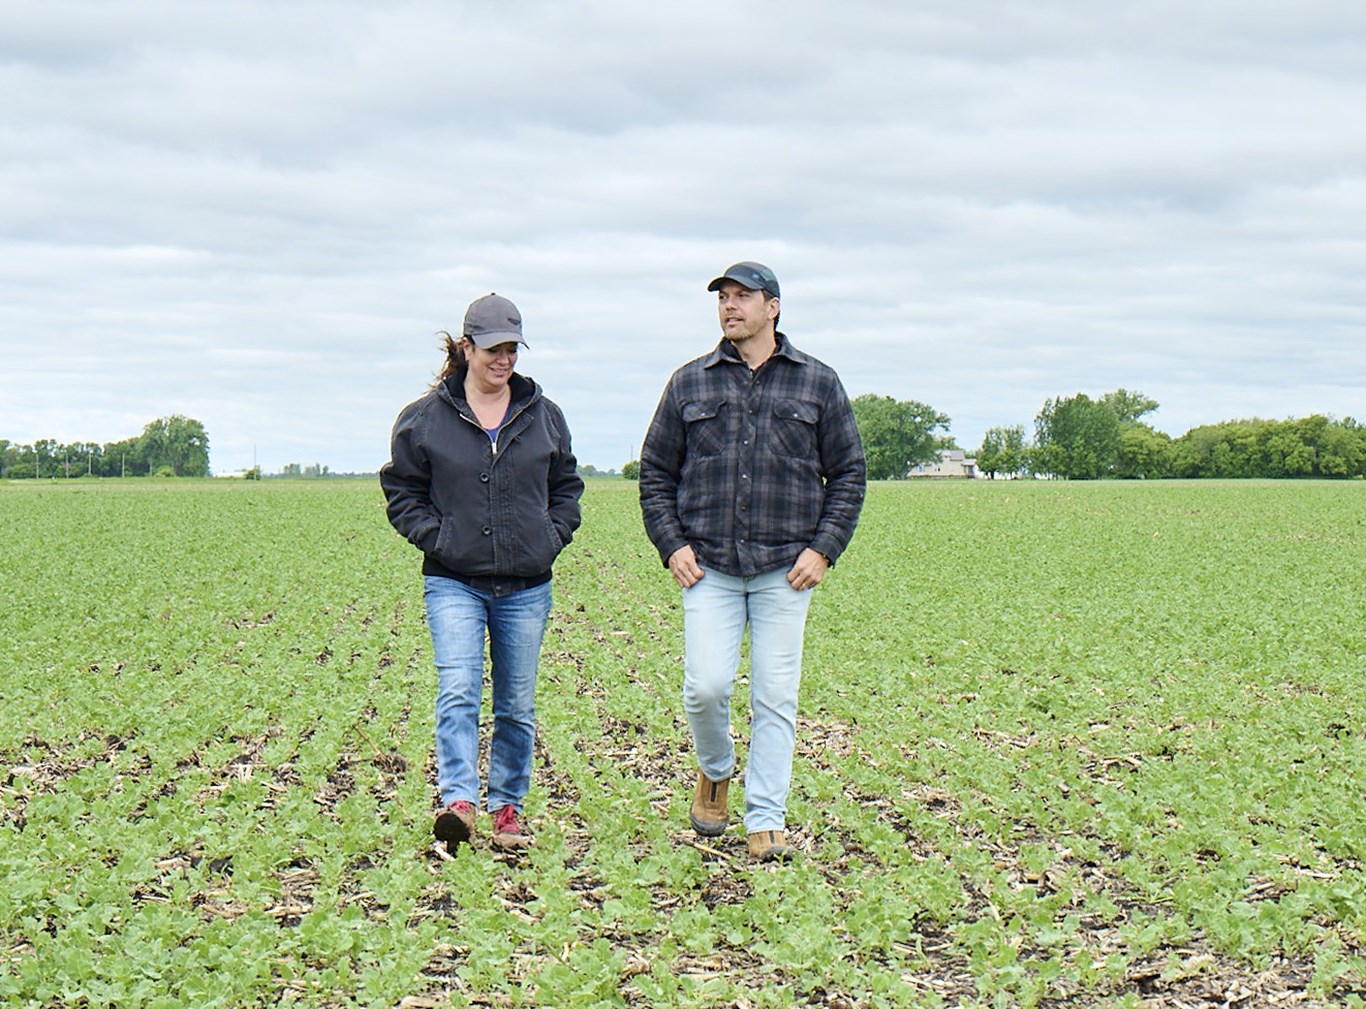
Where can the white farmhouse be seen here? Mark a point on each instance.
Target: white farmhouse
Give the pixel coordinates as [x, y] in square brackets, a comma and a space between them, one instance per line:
[951, 462]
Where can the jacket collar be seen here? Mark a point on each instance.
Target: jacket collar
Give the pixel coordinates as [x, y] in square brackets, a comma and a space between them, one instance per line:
[525, 391]
[725, 353]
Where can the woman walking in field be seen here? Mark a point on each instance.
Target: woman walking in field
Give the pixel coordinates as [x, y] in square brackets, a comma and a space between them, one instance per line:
[482, 480]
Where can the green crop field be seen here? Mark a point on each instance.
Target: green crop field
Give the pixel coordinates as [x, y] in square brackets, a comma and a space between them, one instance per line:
[1061, 745]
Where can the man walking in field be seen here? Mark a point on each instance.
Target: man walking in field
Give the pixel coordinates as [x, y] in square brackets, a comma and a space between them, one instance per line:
[751, 482]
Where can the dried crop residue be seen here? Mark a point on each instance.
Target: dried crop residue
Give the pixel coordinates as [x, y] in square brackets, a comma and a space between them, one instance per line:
[39, 767]
[1191, 974]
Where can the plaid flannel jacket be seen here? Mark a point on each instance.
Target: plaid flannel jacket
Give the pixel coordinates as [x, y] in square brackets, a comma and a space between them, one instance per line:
[750, 468]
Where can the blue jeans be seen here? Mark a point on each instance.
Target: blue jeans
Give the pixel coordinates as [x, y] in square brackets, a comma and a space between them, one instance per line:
[715, 612]
[459, 617]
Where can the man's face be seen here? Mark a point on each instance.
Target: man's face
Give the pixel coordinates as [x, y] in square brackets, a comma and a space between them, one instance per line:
[744, 313]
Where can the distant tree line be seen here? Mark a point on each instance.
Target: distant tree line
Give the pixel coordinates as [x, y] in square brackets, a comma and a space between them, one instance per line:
[1079, 438]
[293, 470]
[167, 446]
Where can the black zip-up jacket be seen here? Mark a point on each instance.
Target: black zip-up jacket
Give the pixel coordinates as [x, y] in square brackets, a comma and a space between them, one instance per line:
[480, 509]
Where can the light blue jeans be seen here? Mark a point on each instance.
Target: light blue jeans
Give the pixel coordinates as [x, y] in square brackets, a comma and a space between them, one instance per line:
[715, 612]
[459, 618]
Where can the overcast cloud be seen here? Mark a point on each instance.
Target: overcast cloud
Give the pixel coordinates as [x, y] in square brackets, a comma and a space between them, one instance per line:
[259, 214]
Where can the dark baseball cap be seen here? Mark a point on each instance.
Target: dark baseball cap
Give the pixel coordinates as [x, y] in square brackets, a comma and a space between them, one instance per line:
[755, 276]
[492, 320]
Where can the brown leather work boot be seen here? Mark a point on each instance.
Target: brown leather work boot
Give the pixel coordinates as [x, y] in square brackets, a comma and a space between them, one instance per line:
[767, 845]
[455, 824]
[709, 815]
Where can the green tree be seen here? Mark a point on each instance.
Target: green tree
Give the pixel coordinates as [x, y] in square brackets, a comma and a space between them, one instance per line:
[178, 443]
[85, 458]
[1342, 450]
[631, 471]
[896, 435]
[1077, 438]
[1314, 446]
[45, 456]
[1290, 448]
[1192, 454]
[1002, 451]
[124, 458]
[1143, 453]
[1129, 406]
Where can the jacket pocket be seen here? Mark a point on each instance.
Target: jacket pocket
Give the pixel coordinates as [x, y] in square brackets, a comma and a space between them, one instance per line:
[542, 549]
[465, 546]
[794, 427]
[705, 423]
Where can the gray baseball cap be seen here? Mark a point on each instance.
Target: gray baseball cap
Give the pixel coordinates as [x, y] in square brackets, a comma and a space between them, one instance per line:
[755, 276]
[492, 320]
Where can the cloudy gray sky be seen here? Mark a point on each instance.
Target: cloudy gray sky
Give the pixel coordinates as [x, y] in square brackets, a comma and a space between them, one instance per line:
[259, 214]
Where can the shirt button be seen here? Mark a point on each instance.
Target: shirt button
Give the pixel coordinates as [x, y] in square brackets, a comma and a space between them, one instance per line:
[487, 531]
[483, 478]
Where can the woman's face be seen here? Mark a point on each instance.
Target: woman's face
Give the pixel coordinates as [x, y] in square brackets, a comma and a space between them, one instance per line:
[491, 369]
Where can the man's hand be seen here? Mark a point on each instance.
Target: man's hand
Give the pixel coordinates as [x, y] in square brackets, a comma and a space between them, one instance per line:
[683, 564]
[810, 568]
